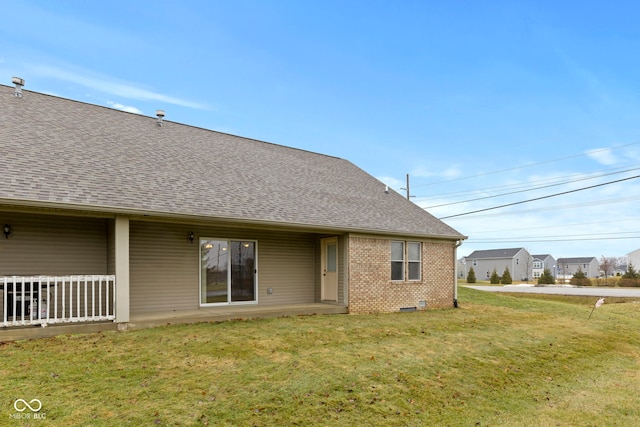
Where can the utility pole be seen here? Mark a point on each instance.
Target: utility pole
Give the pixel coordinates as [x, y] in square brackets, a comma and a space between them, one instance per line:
[408, 193]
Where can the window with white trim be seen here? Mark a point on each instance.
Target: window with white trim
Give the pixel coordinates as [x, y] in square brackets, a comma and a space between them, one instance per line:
[397, 260]
[406, 261]
[414, 252]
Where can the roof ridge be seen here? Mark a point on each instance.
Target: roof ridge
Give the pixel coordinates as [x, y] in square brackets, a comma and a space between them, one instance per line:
[170, 121]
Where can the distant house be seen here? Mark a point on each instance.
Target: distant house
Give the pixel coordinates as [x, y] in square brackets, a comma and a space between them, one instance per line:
[517, 260]
[567, 267]
[620, 269]
[542, 262]
[110, 216]
[633, 258]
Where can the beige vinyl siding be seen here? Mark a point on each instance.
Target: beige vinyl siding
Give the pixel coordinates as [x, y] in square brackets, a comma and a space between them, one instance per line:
[165, 266]
[111, 247]
[287, 264]
[53, 245]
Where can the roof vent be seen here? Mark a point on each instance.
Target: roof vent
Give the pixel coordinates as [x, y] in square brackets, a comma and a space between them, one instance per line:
[160, 114]
[19, 83]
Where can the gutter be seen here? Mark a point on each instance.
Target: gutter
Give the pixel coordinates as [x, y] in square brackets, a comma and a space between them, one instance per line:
[148, 214]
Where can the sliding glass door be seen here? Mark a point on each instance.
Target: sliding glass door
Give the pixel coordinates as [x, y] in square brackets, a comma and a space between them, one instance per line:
[227, 271]
[243, 271]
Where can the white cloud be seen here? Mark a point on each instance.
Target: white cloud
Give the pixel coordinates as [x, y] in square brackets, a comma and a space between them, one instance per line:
[108, 85]
[392, 182]
[127, 108]
[452, 171]
[632, 154]
[603, 155]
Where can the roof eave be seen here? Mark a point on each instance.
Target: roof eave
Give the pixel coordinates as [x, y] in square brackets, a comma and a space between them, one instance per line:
[150, 214]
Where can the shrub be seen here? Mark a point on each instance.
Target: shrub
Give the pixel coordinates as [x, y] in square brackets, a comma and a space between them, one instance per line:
[546, 278]
[506, 277]
[495, 279]
[631, 272]
[606, 281]
[471, 277]
[629, 283]
[579, 279]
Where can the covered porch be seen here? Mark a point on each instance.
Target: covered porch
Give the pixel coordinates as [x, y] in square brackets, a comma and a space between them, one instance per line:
[122, 273]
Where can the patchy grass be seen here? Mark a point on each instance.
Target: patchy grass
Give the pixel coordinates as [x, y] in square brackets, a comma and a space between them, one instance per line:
[498, 360]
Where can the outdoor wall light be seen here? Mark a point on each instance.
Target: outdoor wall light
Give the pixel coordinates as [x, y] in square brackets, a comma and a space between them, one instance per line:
[6, 230]
[191, 237]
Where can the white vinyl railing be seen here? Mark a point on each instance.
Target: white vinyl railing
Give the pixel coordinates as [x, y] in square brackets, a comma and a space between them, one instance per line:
[43, 300]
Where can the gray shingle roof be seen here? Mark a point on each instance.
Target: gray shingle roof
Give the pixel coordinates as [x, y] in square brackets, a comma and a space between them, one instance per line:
[62, 153]
[578, 260]
[495, 253]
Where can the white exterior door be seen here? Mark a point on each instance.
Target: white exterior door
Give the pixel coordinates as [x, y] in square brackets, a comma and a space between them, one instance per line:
[329, 280]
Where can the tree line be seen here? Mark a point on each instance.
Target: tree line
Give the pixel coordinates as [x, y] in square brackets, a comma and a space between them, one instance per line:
[631, 278]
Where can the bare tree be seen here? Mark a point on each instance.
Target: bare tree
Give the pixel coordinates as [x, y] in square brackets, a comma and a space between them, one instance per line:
[608, 265]
[564, 268]
[527, 263]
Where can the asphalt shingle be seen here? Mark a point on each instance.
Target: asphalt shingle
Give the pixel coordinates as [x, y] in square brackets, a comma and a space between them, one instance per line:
[494, 253]
[60, 152]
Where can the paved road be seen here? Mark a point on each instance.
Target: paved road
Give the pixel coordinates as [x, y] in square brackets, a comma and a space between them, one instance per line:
[564, 290]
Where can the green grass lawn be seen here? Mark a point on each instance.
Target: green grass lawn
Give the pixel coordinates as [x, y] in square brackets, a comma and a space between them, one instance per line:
[498, 360]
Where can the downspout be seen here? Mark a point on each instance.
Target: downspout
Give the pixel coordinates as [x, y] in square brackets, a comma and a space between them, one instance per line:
[455, 272]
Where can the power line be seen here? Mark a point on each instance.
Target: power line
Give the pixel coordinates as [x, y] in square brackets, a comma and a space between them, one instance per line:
[581, 224]
[528, 189]
[479, 242]
[558, 179]
[543, 197]
[561, 236]
[556, 208]
[528, 166]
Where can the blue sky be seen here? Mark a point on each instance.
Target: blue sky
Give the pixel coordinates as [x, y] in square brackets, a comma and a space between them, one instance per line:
[473, 99]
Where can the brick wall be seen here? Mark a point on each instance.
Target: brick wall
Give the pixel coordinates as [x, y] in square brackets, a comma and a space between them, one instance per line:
[371, 289]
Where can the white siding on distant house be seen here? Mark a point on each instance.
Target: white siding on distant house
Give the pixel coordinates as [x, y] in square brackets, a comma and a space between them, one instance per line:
[634, 259]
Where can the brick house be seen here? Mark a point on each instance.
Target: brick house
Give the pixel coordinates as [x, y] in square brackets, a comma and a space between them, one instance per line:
[109, 216]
